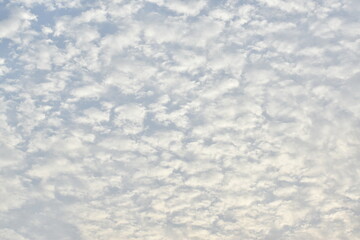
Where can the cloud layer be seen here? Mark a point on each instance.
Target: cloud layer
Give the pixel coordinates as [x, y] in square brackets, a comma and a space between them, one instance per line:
[159, 119]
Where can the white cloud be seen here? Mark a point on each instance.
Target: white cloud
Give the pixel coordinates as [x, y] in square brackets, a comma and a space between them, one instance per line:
[130, 118]
[9, 234]
[188, 8]
[17, 21]
[179, 120]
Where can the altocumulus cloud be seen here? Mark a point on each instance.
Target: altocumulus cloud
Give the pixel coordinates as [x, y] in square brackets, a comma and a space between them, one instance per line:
[179, 119]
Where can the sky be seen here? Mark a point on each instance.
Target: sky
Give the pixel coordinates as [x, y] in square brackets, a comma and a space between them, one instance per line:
[179, 119]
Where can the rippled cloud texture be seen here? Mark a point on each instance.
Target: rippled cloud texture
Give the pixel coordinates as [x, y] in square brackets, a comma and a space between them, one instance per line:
[179, 119]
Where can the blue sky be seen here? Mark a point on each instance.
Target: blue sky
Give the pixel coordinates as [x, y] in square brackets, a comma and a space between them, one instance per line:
[174, 119]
